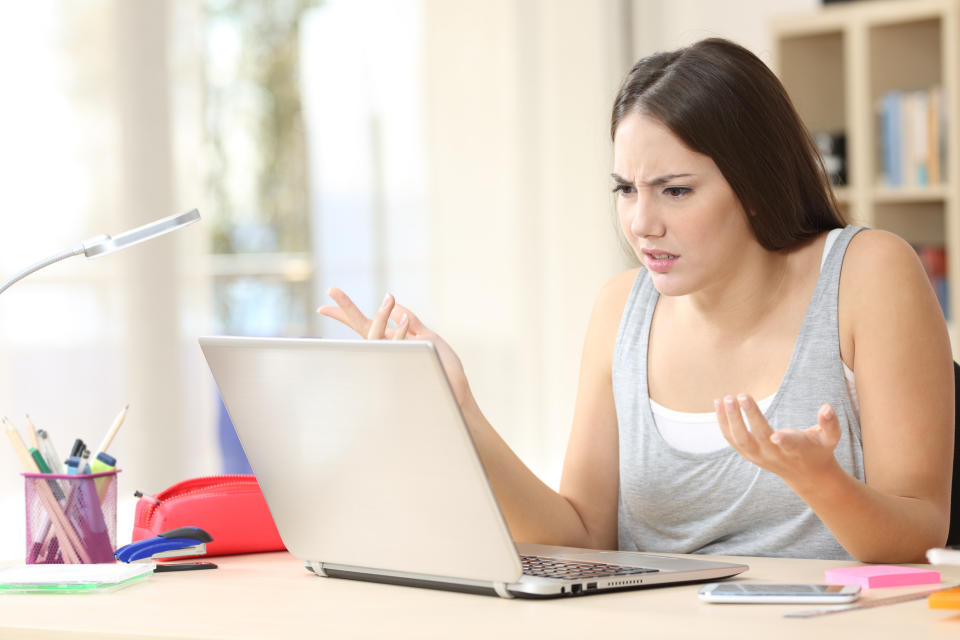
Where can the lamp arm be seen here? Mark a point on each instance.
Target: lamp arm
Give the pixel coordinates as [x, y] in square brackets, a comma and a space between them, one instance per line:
[63, 255]
[104, 244]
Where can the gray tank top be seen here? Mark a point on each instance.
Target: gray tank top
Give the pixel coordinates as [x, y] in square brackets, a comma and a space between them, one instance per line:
[673, 501]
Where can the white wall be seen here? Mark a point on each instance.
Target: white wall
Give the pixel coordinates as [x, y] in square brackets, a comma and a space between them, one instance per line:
[668, 24]
[522, 233]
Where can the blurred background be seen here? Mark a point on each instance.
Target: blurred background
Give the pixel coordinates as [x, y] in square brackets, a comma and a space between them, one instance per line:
[453, 152]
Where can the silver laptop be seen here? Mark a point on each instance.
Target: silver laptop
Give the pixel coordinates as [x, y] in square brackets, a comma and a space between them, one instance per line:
[370, 473]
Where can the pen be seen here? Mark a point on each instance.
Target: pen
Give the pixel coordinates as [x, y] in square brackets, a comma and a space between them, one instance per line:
[72, 462]
[84, 466]
[49, 453]
[77, 447]
[70, 544]
[107, 439]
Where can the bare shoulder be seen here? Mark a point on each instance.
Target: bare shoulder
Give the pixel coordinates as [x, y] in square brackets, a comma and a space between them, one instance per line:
[883, 279]
[881, 271]
[613, 294]
[610, 301]
[874, 249]
[607, 311]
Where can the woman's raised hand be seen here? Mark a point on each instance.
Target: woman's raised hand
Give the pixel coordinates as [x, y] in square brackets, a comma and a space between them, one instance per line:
[408, 326]
[796, 455]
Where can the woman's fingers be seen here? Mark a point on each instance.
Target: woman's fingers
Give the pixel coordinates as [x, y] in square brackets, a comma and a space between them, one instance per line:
[401, 331]
[379, 323]
[743, 440]
[787, 439]
[349, 314]
[787, 452]
[829, 424]
[334, 312]
[758, 422]
[413, 321]
[374, 328]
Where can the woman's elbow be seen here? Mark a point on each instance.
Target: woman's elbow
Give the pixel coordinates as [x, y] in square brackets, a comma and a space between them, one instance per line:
[910, 548]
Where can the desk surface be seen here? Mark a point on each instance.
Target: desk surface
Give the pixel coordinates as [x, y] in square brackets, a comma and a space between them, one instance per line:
[272, 595]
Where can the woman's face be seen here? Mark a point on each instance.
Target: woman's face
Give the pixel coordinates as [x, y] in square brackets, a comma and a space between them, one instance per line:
[676, 210]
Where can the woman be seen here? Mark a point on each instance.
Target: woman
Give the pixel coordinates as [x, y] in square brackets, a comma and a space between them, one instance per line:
[770, 382]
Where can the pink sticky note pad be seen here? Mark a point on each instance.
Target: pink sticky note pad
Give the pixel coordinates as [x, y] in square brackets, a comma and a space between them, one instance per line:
[882, 575]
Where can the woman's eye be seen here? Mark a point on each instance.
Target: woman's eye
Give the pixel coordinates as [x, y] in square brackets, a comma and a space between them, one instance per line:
[677, 192]
[623, 189]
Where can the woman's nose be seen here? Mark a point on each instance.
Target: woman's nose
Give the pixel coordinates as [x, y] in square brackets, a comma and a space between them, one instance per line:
[645, 220]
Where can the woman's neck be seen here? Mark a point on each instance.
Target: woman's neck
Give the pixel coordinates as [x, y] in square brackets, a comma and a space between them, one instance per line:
[741, 299]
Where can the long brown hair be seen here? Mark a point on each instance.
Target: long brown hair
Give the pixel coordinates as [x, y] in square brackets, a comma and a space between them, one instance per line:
[722, 101]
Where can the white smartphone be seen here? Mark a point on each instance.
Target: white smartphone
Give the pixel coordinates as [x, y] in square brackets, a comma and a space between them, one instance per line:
[779, 593]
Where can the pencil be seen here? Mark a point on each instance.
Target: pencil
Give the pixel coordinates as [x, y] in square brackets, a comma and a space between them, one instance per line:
[113, 430]
[32, 434]
[70, 543]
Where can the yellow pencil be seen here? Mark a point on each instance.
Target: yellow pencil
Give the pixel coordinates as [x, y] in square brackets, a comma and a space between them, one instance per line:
[70, 544]
[32, 434]
[20, 448]
[107, 439]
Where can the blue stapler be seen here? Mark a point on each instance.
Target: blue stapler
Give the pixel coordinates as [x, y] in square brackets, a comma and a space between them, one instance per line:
[176, 543]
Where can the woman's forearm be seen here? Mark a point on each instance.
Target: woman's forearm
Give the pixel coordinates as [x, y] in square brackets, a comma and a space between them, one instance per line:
[534, 512]
[873, 526]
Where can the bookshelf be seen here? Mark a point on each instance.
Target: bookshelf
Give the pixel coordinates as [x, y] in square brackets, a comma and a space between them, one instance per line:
[842, 66]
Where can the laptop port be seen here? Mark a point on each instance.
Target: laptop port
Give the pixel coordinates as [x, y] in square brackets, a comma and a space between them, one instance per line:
[591, 585]
[577, 588]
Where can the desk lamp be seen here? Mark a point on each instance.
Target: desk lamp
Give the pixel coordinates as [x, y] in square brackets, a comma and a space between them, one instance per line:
[103, 244]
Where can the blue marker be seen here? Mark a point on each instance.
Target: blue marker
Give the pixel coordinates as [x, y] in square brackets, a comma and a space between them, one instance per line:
[73, 464]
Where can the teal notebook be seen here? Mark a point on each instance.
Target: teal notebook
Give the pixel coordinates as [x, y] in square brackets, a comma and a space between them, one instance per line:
[72, 578]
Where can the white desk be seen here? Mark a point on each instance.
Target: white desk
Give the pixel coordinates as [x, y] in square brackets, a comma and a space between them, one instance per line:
[272, 595]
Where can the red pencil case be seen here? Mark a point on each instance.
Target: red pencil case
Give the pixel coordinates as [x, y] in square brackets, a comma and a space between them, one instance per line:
[230, 508]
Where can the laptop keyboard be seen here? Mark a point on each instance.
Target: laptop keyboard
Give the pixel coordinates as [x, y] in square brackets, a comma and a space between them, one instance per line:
[568, 570]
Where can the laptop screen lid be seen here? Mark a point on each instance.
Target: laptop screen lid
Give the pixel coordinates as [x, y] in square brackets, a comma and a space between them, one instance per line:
[362, 455]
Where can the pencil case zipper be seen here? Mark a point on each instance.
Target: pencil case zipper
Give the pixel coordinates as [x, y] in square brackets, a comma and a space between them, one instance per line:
[207, 485]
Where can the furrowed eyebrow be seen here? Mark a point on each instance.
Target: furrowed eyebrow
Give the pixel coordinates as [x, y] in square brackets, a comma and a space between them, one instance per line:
[656, 181]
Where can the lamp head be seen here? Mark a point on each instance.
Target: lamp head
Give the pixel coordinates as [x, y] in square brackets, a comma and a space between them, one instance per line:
[103, 244]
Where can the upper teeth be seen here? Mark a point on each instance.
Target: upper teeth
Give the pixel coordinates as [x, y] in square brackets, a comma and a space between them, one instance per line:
[662, 256]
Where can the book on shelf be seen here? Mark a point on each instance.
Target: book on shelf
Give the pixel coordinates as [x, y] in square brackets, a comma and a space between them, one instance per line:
[913, 137]
[934, 260]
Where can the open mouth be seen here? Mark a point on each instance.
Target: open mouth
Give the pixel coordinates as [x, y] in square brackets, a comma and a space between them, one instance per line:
[659, 261]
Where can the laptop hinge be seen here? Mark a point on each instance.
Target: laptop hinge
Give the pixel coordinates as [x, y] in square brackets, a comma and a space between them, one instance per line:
[332, 570]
